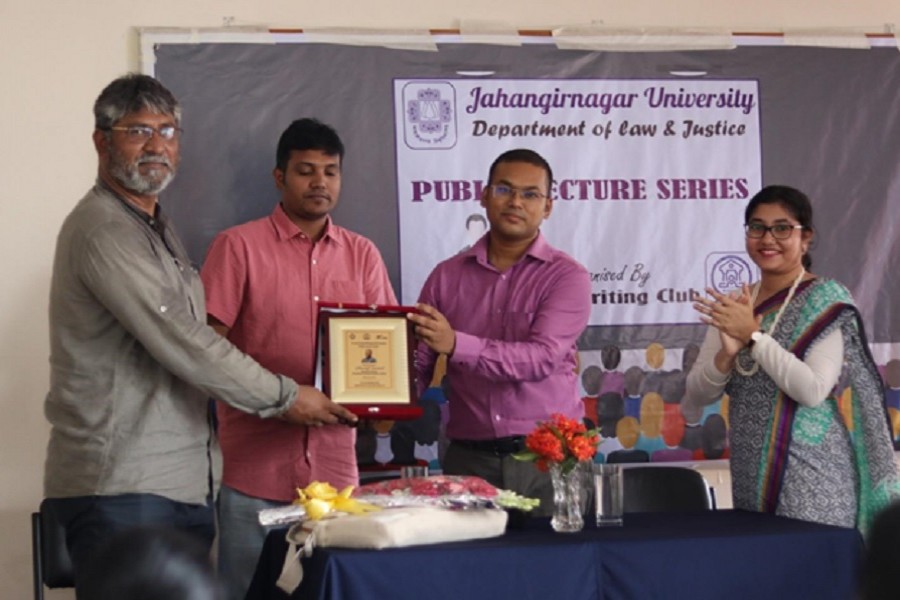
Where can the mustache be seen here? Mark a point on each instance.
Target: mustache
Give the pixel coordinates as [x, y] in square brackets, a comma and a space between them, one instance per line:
[154, 158]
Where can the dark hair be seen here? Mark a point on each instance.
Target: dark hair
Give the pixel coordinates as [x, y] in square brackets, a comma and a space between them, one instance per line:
[610, 356]
[714, 437]
[526, 156]
[591, 380]
[634, 379]
[793, 200]
[610, 410]
[308, 134]
[131, 93]
[150, 563]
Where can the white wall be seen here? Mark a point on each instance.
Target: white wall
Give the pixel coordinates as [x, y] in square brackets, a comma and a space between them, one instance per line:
[55, 57]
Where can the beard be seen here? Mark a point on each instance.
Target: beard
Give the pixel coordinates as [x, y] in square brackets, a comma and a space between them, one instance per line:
[128, 174]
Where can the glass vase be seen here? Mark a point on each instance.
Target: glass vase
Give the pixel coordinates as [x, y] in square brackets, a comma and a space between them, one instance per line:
[568, 498]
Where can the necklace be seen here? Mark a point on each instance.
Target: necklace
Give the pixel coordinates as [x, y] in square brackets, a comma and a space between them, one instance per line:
[753, 368]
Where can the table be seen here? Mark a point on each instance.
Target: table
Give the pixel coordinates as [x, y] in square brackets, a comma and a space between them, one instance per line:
[715, 555]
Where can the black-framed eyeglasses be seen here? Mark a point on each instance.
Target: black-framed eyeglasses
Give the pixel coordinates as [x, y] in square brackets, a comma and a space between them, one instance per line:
[507, 191]
[142, 133]
[779, 231]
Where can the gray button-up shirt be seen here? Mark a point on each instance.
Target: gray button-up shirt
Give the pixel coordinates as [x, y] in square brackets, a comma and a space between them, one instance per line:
[133, 361]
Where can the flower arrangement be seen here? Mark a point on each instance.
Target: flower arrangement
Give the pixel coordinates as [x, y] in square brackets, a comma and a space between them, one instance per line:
[431, 487]
[561, 441]
[320, 500]
[456, 491]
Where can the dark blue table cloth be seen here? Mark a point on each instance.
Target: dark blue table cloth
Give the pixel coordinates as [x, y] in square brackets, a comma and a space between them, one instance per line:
[715, 555]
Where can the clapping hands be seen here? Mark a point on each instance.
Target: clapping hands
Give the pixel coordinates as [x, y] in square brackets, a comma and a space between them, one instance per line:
[732, 314]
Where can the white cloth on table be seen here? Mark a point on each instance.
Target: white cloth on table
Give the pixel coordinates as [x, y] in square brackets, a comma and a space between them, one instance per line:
[388, 528]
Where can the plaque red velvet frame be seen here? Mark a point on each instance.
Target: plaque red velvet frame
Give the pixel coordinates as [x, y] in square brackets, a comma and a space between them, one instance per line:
[365, 355]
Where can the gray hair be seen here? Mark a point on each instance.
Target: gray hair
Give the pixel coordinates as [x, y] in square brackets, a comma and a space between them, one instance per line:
[131, 93]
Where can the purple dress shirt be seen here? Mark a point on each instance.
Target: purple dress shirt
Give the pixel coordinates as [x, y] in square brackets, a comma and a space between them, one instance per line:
[514, 362]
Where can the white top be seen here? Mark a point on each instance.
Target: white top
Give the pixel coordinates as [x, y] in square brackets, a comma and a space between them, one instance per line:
[808, 381]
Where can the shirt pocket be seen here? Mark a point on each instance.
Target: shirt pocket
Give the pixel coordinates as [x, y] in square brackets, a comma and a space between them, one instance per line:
[342, 291]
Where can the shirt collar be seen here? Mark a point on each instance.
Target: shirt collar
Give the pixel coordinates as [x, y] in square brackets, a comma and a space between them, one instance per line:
[157, 221]
[539, 249]
[287, 229]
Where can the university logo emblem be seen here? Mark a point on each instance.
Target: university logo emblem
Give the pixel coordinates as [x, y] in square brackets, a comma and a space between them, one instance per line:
[728, 271]
[429, 115]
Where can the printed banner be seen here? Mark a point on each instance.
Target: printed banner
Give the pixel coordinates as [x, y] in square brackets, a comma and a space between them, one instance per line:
[651, 178]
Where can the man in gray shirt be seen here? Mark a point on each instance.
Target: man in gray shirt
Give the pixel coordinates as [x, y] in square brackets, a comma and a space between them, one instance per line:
[132, 360]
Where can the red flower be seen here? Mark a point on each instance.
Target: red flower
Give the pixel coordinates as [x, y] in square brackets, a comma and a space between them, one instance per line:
[546, 444]
[559, 440]
[583, 448]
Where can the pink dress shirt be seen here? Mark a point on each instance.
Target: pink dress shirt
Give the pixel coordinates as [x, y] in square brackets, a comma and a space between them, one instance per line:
[263, 280]
[514, 362]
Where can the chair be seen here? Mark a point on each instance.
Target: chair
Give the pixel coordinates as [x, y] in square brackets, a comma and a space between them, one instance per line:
[51, 563]
[665, 489]
[880, 578]
[627, 456]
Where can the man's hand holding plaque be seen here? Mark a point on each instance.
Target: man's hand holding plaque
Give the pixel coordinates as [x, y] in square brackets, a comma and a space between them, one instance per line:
[314, 409]
[434, 329]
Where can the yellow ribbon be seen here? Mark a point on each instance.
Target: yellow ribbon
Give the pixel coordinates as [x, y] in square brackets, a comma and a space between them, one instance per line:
[320, 499]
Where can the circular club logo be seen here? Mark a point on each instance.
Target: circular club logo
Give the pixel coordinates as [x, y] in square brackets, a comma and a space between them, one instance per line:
[728, 272]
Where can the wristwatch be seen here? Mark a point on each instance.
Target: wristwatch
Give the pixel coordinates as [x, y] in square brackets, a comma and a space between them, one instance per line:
[755, 337]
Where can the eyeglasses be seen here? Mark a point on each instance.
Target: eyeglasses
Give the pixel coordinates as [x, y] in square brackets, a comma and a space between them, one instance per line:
[142, 133]
[506, 191]
[779, 231]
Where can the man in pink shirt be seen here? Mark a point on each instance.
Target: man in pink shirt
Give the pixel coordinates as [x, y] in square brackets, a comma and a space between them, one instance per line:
[507, 313]
[263, 280]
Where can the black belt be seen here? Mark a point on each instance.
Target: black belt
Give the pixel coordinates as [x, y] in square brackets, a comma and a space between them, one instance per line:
[500, 446]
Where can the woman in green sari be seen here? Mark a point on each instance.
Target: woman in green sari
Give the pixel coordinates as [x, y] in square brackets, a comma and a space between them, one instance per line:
[809, 436]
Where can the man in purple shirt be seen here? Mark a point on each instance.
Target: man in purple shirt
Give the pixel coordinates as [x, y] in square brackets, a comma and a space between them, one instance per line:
[507, 313]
